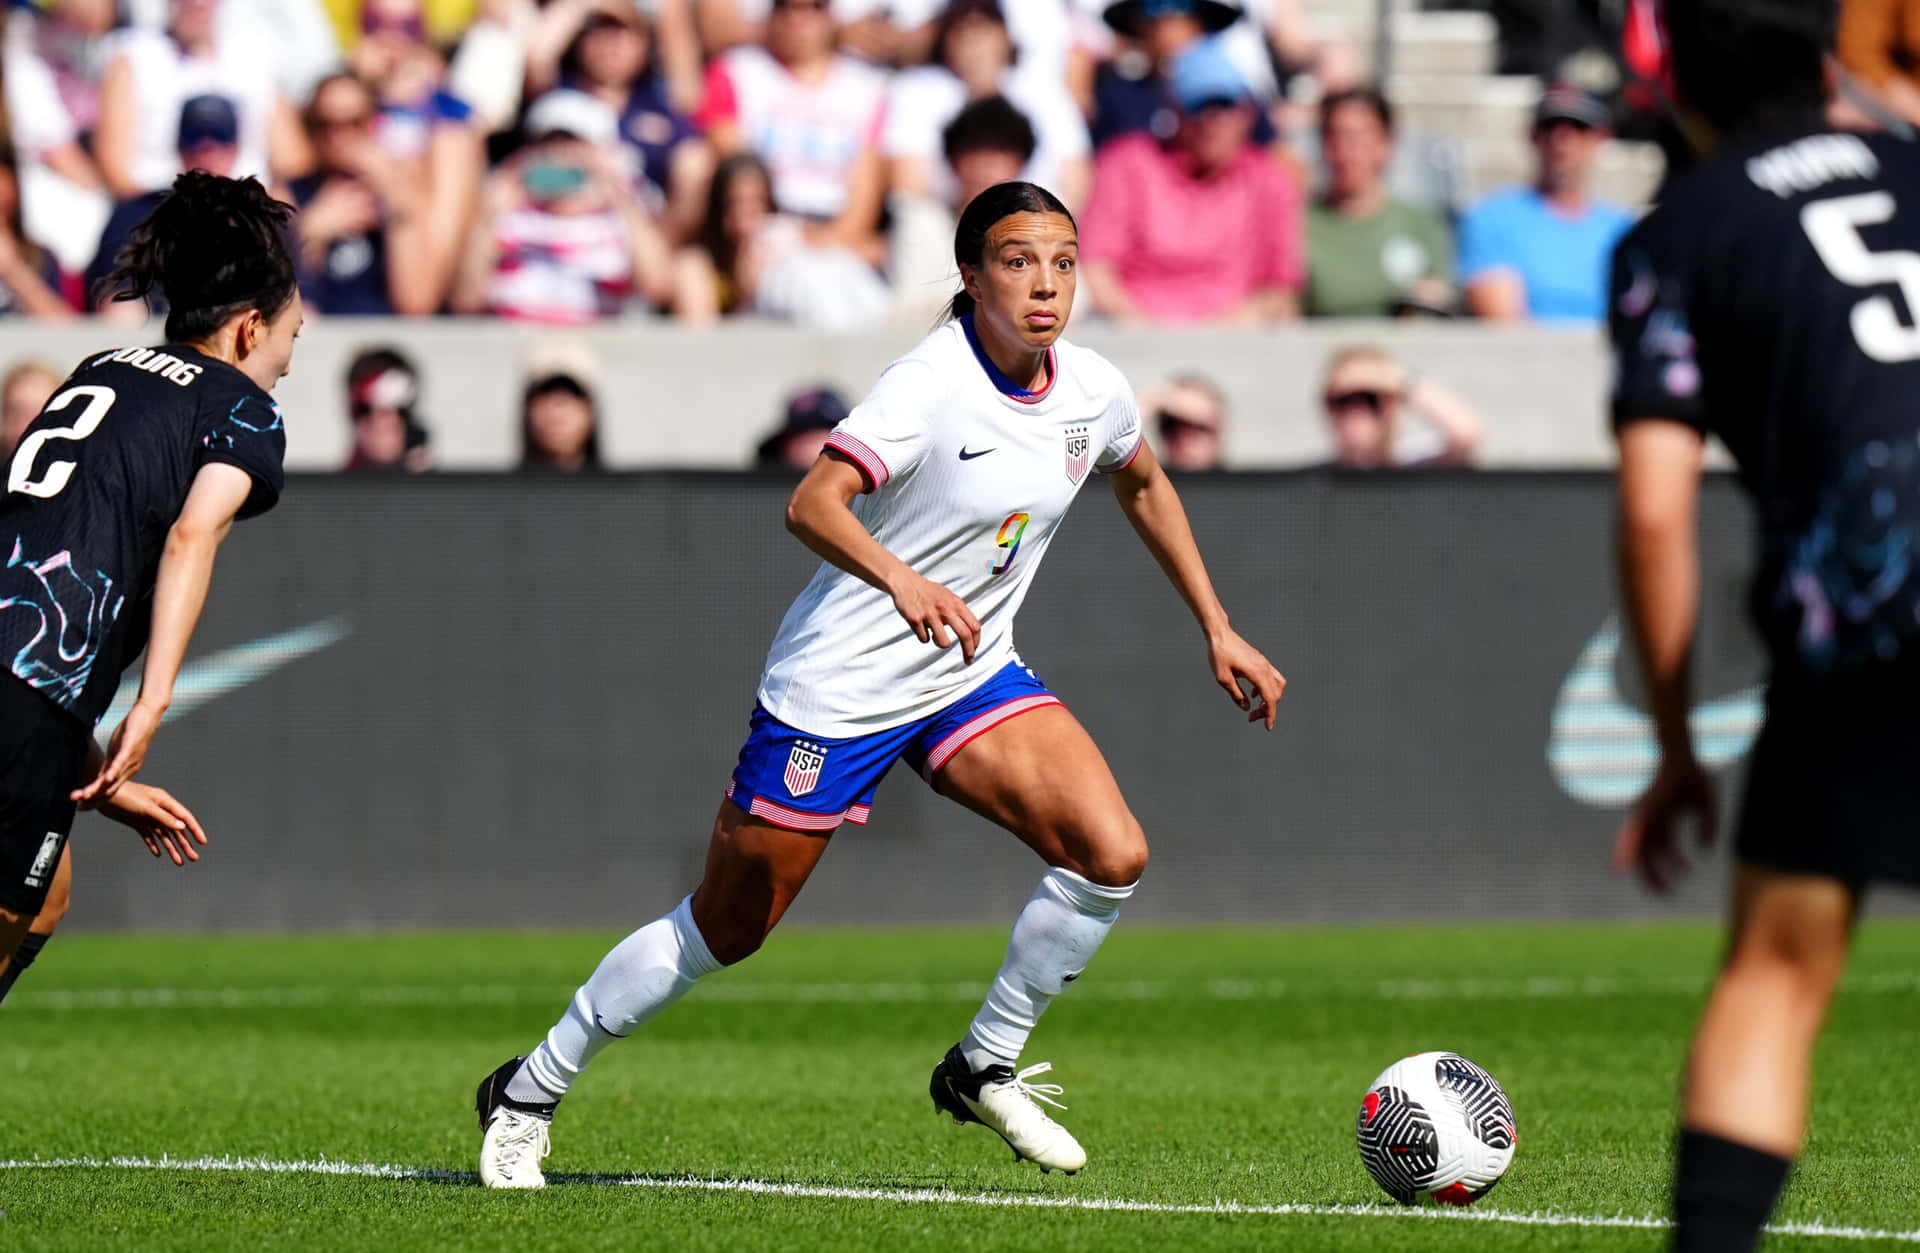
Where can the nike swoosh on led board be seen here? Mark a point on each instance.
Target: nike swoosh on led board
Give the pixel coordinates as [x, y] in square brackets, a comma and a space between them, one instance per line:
[231, 669]
[1602, 750]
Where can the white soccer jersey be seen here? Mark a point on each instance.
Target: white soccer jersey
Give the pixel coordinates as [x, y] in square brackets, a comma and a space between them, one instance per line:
[968, 485]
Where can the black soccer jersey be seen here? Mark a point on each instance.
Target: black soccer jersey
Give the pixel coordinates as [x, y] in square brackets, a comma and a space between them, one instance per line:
[1773, 299]
[94, 487]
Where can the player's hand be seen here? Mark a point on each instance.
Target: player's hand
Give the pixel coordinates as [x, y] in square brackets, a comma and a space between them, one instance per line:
[126, 753]
[1234, 660]
[155, 816]
[937, 615]
[1649, 840]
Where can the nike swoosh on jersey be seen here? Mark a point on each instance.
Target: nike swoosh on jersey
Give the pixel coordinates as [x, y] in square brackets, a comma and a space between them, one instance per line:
[231, 669]
[1602, 750]
[969, 456]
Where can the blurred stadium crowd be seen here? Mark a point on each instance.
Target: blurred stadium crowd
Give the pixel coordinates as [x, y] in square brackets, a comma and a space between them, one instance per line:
[563, 162]
[567, 161]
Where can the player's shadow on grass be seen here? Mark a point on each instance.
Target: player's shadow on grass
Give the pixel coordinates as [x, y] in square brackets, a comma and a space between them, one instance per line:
[658, 1182]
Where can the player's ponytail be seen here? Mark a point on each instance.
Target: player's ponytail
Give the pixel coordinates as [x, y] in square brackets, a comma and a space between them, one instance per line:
[1002, 200]
[215, 247]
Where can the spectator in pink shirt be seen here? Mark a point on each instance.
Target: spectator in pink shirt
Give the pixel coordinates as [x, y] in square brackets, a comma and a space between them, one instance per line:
[1205, 226]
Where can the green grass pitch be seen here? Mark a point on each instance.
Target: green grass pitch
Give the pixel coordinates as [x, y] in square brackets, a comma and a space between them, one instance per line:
[1205, 1069]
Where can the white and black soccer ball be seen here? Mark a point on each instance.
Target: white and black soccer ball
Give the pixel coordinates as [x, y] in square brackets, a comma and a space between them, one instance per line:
[1436, 1125]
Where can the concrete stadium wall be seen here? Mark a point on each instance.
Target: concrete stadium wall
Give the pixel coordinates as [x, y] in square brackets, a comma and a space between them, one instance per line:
[488, 701]
[673, 396]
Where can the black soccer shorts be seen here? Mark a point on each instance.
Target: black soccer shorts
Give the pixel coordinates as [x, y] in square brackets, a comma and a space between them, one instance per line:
[43, 758]
[1833, 784]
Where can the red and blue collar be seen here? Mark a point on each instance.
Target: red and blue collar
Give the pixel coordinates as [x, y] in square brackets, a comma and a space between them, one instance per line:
[1006, 386]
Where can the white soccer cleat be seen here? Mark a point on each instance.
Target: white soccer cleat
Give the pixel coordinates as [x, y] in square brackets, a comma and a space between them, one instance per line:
[512, 1149]
[1008, 1104]
[514, 1136]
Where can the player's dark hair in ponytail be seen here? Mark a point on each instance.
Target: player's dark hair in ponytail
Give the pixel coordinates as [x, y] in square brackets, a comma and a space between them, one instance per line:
[1002, 200]
[214, 247]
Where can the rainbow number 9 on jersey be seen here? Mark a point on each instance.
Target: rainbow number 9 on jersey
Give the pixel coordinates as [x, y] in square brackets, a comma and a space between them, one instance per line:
[1009, 542]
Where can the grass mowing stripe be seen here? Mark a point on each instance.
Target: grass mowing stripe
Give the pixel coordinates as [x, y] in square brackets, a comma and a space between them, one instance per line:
[935, 1196]
[1544, 987]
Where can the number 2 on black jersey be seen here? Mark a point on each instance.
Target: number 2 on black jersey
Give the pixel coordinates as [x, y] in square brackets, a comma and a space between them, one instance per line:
[20, 476]
[1834, 227]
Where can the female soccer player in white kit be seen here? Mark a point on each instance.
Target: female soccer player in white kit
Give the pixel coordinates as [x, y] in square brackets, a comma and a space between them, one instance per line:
[933, 502]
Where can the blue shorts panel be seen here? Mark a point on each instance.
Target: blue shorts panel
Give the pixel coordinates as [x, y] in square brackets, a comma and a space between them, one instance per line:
[814, 783]
[1012, 692]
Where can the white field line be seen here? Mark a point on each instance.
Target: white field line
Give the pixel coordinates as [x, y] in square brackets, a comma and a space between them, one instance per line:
[937, 1196]
[1549, 987]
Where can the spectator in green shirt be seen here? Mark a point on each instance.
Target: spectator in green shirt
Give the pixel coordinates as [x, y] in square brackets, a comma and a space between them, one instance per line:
[1368, 255]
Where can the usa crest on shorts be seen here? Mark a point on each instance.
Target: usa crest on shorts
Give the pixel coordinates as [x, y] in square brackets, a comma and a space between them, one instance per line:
[803, 768]
[1079, 448]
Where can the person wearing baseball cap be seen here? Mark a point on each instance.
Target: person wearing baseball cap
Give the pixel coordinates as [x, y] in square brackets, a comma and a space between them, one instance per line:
[383, 398]
[1150, 236]
[573, 114]
[208, 139]
[1541, 252]
[1133, 92]
[796, 443]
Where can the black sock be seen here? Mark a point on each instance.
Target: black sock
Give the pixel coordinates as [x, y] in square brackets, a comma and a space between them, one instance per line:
[1724, 1194]
[30, 945]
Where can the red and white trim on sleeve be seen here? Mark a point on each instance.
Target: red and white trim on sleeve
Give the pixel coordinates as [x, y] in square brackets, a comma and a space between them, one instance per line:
[868, 460]
[1138, 444]
[799, 820]
[968, 732]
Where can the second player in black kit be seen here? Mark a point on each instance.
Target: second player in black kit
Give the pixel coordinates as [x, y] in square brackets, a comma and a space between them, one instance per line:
[117, 498]
[1772, 300]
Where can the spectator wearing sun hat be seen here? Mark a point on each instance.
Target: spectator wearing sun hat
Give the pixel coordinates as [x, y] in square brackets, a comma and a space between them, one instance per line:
[1155, 231]
[1541, 252]
[559, 411]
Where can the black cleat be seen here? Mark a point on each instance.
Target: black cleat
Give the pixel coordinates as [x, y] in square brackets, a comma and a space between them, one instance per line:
[513, 1134]
[492, 1096]
[1003, 1101]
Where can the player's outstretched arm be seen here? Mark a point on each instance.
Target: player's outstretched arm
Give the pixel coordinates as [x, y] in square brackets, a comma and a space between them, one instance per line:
[1660, 584]
[818, 515]
[218, 493]
[1151, 504]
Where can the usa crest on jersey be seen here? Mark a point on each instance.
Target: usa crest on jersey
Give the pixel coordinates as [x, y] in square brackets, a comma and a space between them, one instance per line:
[803, 768]
[1079, 448]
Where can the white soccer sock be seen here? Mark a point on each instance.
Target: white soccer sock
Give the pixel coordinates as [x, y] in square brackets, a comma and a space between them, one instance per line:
[1054, 938]
[645, 973]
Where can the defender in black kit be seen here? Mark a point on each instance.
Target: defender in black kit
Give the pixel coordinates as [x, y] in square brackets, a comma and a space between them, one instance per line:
[117, 499]
[1772, 299]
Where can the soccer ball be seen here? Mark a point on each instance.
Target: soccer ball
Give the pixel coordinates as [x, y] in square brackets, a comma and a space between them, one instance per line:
[1436, 1125]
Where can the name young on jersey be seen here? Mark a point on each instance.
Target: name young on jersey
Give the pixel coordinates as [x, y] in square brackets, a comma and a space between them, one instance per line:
[153, 361]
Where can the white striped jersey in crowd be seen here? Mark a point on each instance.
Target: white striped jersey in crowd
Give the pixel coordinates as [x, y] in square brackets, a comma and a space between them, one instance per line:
[968, 480]
[561, 268]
